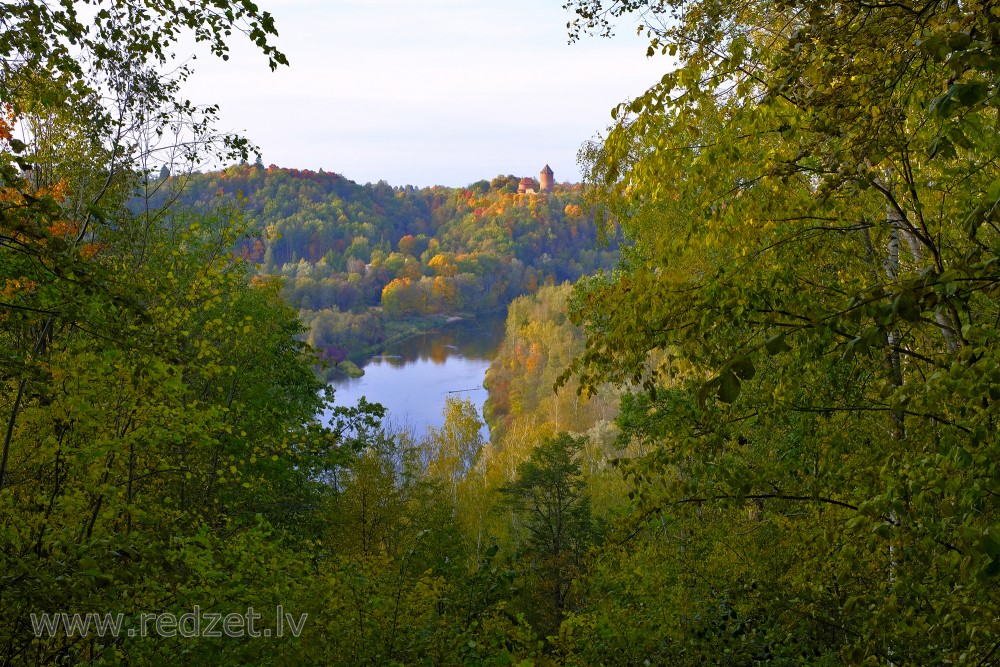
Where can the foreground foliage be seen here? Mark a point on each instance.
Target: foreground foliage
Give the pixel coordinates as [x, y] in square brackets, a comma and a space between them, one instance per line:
[138, 356]
[809, 303]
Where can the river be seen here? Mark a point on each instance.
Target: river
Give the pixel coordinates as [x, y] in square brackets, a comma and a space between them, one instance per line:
[413, 378]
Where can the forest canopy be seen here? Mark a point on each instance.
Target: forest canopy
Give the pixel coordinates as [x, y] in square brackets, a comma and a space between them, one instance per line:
[806, 311]
[358, 258]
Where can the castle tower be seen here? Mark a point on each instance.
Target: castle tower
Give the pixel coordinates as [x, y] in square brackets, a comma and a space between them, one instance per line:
[545, 180]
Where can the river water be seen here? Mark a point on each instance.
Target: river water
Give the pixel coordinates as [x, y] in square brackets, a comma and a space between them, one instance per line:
[413, 378]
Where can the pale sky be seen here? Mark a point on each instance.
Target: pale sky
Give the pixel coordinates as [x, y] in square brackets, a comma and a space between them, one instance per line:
[425, 92]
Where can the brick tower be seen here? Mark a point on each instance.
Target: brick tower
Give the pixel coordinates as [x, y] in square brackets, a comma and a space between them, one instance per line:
[545, 180]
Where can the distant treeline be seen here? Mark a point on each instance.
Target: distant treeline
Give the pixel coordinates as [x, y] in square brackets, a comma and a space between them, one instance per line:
[343, 249]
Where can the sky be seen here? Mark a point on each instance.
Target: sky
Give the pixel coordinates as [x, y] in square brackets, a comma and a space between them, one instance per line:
[425, 92]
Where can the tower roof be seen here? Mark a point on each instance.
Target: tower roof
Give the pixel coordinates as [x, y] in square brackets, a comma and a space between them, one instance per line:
[547, 170]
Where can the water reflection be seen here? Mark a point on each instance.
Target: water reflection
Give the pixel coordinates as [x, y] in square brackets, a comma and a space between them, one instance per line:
[473, 340]
[413, 378]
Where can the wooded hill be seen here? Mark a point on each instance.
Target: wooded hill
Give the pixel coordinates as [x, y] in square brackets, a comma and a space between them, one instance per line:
[340, 246]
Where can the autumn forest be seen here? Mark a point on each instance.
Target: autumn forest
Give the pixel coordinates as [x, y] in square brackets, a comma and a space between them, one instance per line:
[742, 413]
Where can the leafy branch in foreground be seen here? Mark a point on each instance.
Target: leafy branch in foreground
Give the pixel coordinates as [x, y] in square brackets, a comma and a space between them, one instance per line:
[785, 363]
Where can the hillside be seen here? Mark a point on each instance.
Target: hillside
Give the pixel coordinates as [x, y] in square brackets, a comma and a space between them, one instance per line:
[353, 256]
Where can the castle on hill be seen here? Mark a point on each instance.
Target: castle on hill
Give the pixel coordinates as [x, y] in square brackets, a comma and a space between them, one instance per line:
[545, 182]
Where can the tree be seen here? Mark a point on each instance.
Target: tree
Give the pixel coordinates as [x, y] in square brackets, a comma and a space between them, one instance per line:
[550, 500]
[139, 356]
[443, 264]
[114, 53]
[63, 188]
[451, 451]
[803, 320]
[407, 245]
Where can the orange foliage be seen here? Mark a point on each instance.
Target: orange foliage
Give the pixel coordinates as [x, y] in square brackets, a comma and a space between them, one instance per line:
[58, 191]
[531, 363]
[14, 285]
[10, 196]
[534, 357]
[7, 121]
[91, 249]
[17, 197]
[442, 266]
[407, 245]
[252, 252]
[264, 282]
[63, 228]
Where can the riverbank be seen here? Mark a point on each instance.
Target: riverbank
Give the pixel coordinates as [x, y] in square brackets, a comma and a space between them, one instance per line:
[395, 332]
[414, 376]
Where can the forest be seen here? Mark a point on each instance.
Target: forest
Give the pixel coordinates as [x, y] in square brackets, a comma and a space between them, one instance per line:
[762, 433]
[363, 261]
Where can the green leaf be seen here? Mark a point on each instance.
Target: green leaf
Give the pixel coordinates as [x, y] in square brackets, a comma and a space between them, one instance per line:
[905, 307]
[776, 345]
[991, 570]
[970, 94]
[959, 41]
[991, 541]
[729, 387]
[743, 368]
